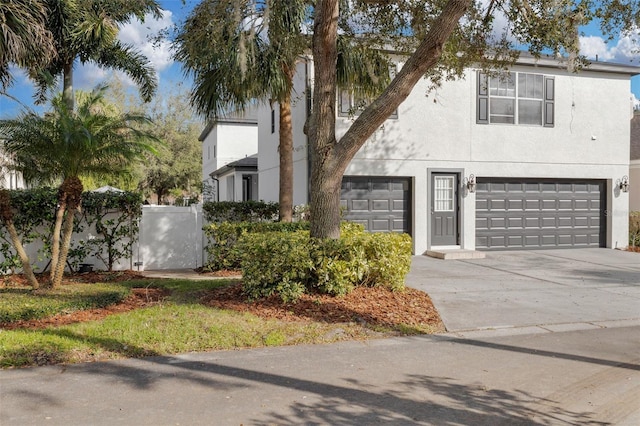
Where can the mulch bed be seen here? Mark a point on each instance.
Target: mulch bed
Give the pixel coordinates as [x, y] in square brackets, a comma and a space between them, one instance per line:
[370, 305]
[364, 305]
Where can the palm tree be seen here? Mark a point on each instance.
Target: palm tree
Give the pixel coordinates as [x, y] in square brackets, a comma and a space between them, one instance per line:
[87, 30]
[6, 217]
[24, 37]
[240, 51]
[65, 145]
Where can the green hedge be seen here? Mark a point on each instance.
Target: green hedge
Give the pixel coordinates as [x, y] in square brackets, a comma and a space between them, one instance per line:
[34, 217]
[222, 247]
[291, 263]
[240, 211]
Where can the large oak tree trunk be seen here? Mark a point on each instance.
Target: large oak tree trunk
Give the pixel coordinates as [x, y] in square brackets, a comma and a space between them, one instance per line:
[286, 160]
[325, 199]
[330, 157]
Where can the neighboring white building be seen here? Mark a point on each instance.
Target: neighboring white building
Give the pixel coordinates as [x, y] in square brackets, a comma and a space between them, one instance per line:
[227, 140]
[9, 179]
[238, 180]
[480, 163]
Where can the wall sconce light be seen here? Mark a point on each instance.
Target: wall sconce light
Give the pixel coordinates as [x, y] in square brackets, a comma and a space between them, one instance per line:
[471, 183]
[623, 183]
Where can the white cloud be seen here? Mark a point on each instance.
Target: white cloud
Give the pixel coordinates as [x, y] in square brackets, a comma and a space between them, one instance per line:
[140, 36]
[623, 50]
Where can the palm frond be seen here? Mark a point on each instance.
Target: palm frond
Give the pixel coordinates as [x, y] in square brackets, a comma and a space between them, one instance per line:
[94, 140]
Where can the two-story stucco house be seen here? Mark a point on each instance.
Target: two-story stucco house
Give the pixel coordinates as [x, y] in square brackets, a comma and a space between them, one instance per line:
[229, 164]
[530, 161]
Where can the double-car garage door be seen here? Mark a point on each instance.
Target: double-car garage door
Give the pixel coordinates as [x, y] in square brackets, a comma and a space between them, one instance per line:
[511, 213]
[381, 204]
[540, 213]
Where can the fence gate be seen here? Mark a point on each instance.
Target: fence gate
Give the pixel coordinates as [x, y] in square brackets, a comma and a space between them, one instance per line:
[170, 238]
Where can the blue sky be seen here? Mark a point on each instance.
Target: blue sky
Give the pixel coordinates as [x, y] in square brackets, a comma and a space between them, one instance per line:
[621, 50]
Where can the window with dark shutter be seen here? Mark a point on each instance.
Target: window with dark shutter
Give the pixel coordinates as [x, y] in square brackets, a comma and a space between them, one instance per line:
[482, 116]
[549, 100]
[515, 98]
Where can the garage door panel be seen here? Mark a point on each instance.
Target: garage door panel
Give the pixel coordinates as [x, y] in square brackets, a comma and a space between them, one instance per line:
[399, 225]
[582, 205]
[482, 204]
[379, 225]
[560, 213]
[400, 205]
[400, 185]
[514, 187]
[360, 205]
[515, 240]
[532, 204]
[565, 205]
[497, 204]
[380, 204]
[515, 222]
[497, 223]
[549, 204]
[380, 186]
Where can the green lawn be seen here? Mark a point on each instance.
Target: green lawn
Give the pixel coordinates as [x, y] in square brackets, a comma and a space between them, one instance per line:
[177, 325]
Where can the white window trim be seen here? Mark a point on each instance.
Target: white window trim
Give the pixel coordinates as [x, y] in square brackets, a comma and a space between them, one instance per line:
[483, 100]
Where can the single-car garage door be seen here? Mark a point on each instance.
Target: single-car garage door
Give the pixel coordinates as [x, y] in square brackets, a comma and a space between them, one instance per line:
[381, 204]
[516, 213]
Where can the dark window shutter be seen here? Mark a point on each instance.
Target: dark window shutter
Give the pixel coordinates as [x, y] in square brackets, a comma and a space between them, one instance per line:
[482, 105]
[549, 98]
[273, 120]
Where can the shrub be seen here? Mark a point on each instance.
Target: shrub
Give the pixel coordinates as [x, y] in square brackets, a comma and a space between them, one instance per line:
[222, 248]
[240, 211]
[338, 265]
[634, 229]
[276, 263]
[291, 263]
[389, 259]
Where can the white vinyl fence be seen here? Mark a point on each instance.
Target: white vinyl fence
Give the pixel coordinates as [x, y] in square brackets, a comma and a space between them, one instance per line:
[170, 238]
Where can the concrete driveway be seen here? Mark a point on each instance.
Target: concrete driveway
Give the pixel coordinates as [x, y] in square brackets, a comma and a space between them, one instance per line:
[533, 291]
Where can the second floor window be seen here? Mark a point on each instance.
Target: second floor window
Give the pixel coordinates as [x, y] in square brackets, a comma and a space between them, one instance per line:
[352, 104]
[516, 98]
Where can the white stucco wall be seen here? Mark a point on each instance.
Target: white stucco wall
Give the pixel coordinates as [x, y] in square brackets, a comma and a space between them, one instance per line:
[590, 140]
[269, 160]
[232, 141]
